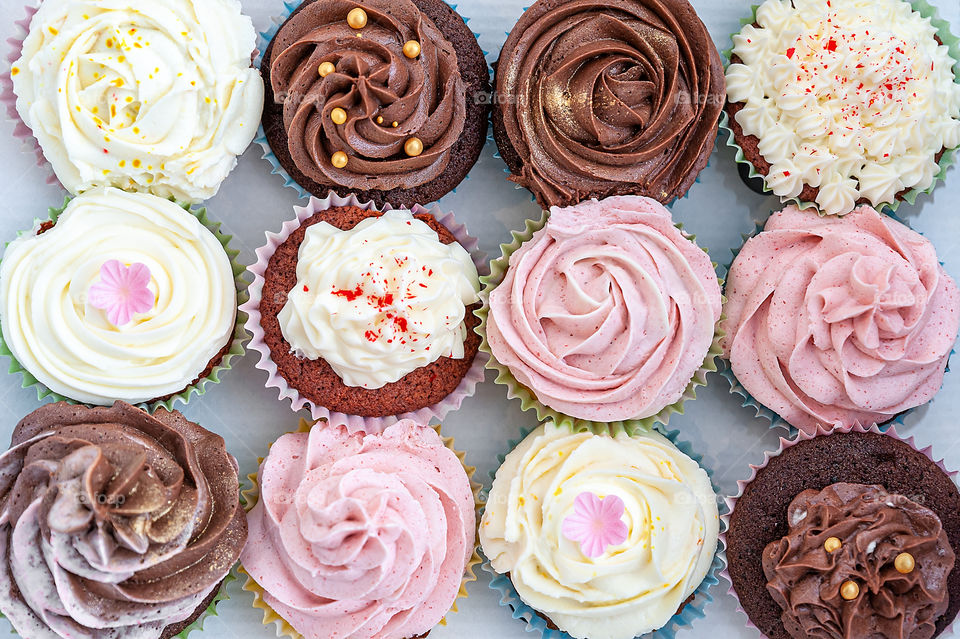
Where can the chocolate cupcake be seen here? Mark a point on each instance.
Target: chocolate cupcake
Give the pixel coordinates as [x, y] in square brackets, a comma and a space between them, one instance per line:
[367, 314]
[595, 99]
[849, 534]
[383, 98]
[839, 103]
[115, 522]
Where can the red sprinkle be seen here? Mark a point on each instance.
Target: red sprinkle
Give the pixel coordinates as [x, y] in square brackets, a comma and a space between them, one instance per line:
[348, 294]
[831, 45]
[790, 52]
[306, 289]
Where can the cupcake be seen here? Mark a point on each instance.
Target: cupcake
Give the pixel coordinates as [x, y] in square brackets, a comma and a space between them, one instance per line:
[383, 98]
[366, 313]
[606, 313]
[360, 536]
[848, 535]
[158, 98]
[121, 296]
[603, 536]
[837, 321]
[595, 99]
[843, 102]
[115, 522]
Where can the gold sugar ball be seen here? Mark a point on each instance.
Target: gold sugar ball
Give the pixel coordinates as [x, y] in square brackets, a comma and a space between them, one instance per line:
[379, 119]
[338, 115]
[357, 18]
[395, 124]
[413, 147]
[832, 544]
[411, 49]
[339, 159]
[849, 590]
[904, 563]
[326, 68]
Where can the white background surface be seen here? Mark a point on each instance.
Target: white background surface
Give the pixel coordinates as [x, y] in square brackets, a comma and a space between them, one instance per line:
[717, 210]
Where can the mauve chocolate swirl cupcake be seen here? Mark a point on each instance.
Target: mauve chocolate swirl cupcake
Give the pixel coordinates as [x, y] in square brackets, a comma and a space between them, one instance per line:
[381, 98]
[599, 98]
[114, 523]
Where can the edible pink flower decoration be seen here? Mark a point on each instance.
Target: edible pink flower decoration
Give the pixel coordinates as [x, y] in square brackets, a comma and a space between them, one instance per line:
[121, 291]
[596, 523]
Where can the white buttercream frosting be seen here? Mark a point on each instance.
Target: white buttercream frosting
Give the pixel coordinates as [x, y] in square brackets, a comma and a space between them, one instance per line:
[70, 346]
[380, 300]
[154, 96]
[632, 588]
[855, 97]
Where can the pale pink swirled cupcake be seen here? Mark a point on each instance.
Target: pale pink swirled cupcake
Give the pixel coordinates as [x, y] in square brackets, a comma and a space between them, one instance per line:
[361, 536]
[835, 321]
[607, 312]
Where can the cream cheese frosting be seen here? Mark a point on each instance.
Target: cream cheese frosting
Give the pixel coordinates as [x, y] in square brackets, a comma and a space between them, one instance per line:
[634, 587]
[607, 312]
[833, 321]
[380, 300]
[53, 329]
[359, 536]
[854, 97]
[152, 96]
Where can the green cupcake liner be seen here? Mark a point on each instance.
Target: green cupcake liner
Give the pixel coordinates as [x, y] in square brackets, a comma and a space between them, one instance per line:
[529, 401]
[948, 158]
[199, 388]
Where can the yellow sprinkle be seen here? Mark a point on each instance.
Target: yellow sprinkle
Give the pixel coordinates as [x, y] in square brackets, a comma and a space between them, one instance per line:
[183, 33]
[521, 500]
[109, 43]
[106, 172]
[78, 107]
[95, 110]
[136, 164]
[14, 71]
[123, 163]
[122, 59]
[207, 100]
[118, 82]
[113, 110]
[129, 99]
[193, 83]
[190, 172]
[136, 130]
[149, 179]
[106, 139]
[149, 168]
[137, 45]
[53, 30]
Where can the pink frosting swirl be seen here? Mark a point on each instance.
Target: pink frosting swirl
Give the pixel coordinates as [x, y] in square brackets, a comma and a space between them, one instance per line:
[361, 536]
[607, 312]
[837, 320]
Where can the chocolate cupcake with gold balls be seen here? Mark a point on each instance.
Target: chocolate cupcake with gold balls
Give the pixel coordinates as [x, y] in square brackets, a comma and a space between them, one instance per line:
[600, 98]
[384, 98]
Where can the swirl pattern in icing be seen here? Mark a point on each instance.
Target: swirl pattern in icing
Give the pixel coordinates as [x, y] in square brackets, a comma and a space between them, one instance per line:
[151, 96]
[380, 300]
[357, 536]
[670, 511]
[57, 334]
[609, 98]
[113, 523]
[833, 321]
[874, 527]
[376, 85]
[853, 97]
[607, 312]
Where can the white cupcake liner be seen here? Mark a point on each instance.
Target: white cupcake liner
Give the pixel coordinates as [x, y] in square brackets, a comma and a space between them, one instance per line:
[888, 430]
[354, 423]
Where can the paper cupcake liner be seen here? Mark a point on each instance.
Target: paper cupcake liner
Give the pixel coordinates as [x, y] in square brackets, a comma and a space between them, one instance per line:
[731, 502]
[264, 38]
[21, 132]
[691, 611]
[748, 401]
[250, 495]
[200, 387]
[354, 423]
[528, 400]
[910, 197]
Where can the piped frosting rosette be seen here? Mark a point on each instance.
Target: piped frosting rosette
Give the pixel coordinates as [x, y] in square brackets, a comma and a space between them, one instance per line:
[837, 321]
[102, 301]
[376, 533]
[157, 98]
[600, 313]
[830, 102]
[437, 411]
[115, 523]
[601, 534]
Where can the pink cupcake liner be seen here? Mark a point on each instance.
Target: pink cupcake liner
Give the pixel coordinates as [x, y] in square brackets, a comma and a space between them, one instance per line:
[8, 98]
[889, 430]
[354, 423]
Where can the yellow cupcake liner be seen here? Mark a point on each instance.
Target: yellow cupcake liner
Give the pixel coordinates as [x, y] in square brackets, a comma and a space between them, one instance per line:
[249, 497]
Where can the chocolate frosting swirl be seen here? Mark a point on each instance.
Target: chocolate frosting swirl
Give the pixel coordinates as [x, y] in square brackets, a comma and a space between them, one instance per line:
[425, 96]
[609, 97]
[113, 523]
[874, 527]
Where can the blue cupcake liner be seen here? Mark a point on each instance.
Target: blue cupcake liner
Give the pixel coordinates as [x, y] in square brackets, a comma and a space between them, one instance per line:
[263, 41]
[688, 614]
